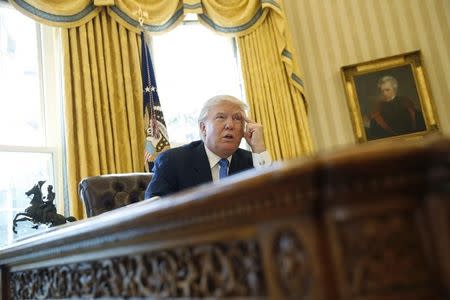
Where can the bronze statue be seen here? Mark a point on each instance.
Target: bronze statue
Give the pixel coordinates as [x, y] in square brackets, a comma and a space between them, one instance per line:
[40, 211]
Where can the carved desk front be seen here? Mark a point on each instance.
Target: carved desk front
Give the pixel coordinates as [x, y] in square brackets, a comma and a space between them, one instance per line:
[371, 222]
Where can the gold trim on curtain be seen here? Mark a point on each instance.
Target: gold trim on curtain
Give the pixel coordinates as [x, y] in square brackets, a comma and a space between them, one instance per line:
[103, 91]
[58, 7]
[59, 13]
[274, 102]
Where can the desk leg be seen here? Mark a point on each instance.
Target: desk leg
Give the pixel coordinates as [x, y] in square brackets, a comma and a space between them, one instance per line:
[4, 283]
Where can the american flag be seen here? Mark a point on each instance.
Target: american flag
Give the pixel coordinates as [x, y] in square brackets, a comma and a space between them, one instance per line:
[156, 138]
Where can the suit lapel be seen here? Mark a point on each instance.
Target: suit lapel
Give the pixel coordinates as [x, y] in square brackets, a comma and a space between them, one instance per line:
[202, 168]
[241, 161]
[235, 165]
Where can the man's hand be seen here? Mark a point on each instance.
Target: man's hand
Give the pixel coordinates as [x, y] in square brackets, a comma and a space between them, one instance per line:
[254, 135]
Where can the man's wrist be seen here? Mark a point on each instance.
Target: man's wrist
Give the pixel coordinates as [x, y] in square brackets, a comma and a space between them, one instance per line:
[258, 149]
[261, 159]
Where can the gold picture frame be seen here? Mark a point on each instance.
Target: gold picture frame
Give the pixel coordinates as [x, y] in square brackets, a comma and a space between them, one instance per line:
[389, 98]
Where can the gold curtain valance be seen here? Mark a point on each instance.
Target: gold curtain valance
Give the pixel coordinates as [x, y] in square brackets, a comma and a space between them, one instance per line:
[234, 17]
[60, 13]
[226, 16]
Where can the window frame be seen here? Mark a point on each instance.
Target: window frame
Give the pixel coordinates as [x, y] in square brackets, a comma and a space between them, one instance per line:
[49, 63]
[192, 20]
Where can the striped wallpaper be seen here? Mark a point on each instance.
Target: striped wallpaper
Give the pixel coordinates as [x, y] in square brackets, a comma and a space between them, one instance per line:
[329, 34]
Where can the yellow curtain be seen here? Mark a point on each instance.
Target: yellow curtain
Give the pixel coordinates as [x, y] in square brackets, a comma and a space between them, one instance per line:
[103, 107]
[274, 101]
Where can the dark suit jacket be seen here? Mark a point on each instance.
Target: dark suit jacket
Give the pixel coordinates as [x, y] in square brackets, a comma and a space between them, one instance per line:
[396, 117]
[188, 166]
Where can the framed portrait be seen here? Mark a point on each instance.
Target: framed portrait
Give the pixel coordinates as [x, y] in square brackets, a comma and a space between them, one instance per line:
[389, 98]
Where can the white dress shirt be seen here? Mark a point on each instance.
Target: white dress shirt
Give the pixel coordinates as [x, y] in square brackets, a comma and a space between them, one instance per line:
[259, 160]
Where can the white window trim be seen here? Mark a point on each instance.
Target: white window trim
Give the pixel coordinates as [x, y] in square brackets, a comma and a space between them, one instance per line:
[49, 45]
[52, 97]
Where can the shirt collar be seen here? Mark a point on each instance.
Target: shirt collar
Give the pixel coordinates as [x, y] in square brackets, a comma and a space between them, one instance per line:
[213, 158]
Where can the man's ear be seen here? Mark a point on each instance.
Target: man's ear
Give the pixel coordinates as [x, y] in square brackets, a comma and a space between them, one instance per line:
[203, 129]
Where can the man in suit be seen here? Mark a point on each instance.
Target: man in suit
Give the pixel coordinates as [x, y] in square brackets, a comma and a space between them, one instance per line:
[223, 124]
[394, 114]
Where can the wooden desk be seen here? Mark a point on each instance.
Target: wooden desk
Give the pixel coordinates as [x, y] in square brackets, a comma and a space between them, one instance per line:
[370, 222]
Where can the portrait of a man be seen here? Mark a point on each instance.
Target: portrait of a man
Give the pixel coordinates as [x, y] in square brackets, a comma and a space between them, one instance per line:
[393, 114]
[389, 103]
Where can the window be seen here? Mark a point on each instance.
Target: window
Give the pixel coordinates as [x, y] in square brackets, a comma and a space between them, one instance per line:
[30, 114]
[192, 64]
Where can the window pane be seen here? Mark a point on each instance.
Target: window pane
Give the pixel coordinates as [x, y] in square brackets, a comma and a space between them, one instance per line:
[192, 64]
[20, 113]
[20, 172]
[28, 105]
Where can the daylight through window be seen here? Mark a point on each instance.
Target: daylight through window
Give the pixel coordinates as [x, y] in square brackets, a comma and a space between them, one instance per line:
[192, 64]
[30, 135]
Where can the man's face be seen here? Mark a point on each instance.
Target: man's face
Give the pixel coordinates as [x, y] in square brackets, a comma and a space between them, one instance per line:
[387, 91]
[223, 128]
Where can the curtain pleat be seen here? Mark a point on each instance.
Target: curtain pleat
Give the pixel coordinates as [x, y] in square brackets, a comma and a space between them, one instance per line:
[103, 102]
[273, 100]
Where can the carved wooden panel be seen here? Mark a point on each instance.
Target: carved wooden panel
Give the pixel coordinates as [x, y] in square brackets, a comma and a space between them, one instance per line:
[293, 265]
[222, 269]
[383, 254]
